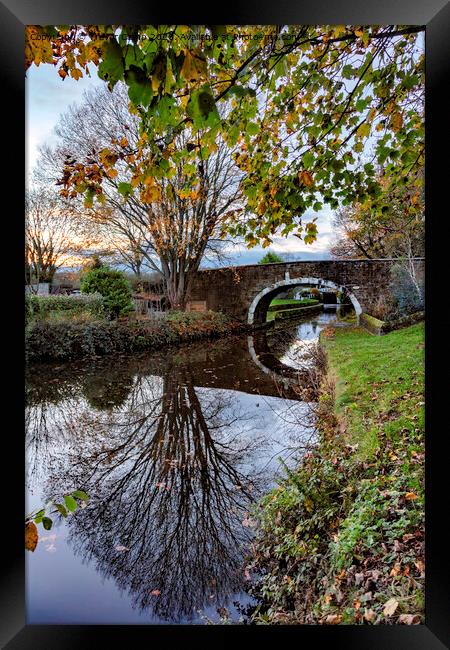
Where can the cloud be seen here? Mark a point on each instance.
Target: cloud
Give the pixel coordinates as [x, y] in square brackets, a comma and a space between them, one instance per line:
[47, 96]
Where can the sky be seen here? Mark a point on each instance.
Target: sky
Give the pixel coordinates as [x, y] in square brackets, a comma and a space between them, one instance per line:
[47, 96]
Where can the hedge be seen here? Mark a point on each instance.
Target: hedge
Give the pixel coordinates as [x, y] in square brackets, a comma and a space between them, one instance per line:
[42, 306]
[47, 340]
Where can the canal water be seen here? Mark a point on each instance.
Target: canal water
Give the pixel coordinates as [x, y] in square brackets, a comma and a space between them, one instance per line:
[173, 448]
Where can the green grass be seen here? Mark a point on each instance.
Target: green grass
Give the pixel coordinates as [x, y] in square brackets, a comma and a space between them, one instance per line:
[374, 375]
[300, 303]
[343, 533]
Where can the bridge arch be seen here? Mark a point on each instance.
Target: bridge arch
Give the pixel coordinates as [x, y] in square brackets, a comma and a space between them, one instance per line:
[267, 294]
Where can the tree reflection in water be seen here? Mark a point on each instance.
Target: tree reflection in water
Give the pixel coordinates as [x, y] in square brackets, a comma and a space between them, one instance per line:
[171, 476]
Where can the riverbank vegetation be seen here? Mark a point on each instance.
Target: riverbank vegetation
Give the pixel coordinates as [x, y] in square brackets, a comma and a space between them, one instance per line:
[87, 335]
[287, 303]
[286, 308]
[341, 539]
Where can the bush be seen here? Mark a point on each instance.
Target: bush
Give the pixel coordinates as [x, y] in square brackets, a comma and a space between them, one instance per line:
[114, 288]
[270, 258]
[41, 307]
[50, 339]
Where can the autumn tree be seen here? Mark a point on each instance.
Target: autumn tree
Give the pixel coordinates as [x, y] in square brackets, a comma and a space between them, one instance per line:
[399, 231]
[162, 219]
[270, 258]
[53, 236]
[316, 109]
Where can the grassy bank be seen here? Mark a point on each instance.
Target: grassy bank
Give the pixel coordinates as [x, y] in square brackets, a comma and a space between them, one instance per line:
[280, 308]
[63, 338]
[288, 303]
[340, 540]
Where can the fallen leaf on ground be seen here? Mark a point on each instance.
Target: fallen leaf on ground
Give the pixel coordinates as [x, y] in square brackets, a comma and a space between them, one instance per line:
[409, 619]
[249, 523]
[395, 570]
[122, 548]
[333, 619]
[390, 607]
[155, 592]
[369, 615]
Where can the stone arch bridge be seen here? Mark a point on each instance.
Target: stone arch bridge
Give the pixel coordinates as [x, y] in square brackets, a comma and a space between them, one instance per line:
[245, 292]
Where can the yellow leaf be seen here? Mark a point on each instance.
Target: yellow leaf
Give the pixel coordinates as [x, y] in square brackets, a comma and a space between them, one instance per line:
[124, 142]
[338, 30]
[151, 194]
[396, 122]
[309, 504]
[194, 66]
[363, 130]
[31, 536]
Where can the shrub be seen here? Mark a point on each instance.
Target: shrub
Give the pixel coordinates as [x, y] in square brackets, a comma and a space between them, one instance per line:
[40, 307]
[270, 258]
[50, 339]
[114, 288]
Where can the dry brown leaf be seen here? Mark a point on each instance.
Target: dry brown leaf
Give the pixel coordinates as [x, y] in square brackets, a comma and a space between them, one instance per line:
[305, 177]
[390, 607]
[420, 566]
[333, 619]
[31, 536]
[369, 615]
[411, 496]
[409, 619]
[395, 570]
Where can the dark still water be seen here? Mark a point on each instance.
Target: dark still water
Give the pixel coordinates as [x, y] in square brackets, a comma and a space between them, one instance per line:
[173, 449]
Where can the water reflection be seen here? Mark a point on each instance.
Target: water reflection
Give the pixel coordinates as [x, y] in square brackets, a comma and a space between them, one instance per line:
[172, 457]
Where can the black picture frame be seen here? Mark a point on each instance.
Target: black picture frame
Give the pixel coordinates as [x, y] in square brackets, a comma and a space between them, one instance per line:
[435, 634]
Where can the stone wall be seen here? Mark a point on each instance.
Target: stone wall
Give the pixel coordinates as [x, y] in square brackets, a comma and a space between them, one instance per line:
[233, 290]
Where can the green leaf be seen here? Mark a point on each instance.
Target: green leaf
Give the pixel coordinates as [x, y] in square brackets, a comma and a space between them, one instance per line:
[133, 56]
[252, 128]
[125, 189]
[79, 494]
[60, 508]
[111, 67]
[139, 88]
[39, 515]
[363, 130]
[47, 523]
[70, 503]
[202, 108]
[308, 160]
